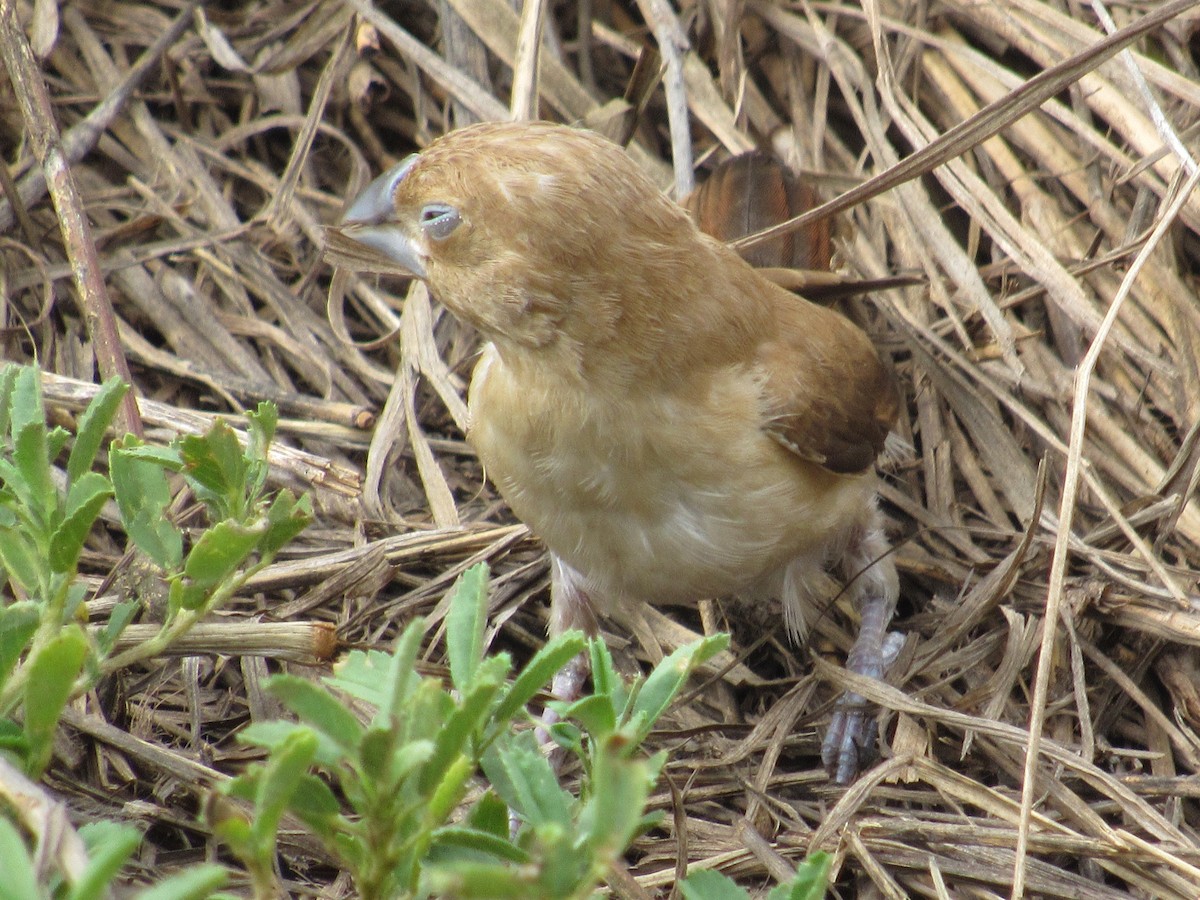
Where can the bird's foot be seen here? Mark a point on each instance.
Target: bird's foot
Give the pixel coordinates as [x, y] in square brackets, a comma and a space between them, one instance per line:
[851, 742]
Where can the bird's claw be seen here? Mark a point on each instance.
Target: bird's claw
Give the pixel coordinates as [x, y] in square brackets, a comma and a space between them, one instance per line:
[851, 740]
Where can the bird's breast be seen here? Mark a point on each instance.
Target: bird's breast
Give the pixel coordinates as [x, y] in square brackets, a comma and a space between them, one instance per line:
[655, 495]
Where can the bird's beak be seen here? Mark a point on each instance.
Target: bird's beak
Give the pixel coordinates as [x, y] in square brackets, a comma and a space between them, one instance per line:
[370, 221]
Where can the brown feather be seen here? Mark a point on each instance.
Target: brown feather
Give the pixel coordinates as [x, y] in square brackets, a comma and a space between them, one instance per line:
[832, 401]
[753, 191]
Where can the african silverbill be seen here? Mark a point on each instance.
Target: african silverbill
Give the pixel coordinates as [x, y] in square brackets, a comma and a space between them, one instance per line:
[672, 424]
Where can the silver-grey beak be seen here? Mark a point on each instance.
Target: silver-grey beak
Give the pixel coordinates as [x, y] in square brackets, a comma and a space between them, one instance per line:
[369, 220]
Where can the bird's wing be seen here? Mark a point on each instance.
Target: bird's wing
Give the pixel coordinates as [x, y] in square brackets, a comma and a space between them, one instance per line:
[829, 398]
[753, 191]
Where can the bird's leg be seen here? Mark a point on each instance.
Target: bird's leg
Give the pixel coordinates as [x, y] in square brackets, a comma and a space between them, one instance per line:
[570, 607]
[875, 585]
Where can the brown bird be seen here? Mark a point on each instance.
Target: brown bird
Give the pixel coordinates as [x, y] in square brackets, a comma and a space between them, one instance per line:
[673, 425]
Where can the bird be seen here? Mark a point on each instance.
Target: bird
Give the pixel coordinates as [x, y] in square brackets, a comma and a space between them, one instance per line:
[670, 423]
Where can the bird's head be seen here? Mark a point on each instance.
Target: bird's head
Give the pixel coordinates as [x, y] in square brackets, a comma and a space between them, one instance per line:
[532, 232]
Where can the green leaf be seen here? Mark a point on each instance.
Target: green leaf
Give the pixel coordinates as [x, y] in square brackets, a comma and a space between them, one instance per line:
[386, 681]
[186, 595]
[93, 423]
[619, 789]
[260, 431]
[668, 677]
[18, 622]
[85, 499]
[567, 868]
[286, 518]
[568, 736]
[429, 708]
[52, 674]
[523, 778]
[465, 720]
[482, 881]
[8, 378]
[121, 615]
[21, 560]
[35, 487]
[262, 424]
[242, 831]
[811, 881]
[215, 469]
[84, 491]
[366, 675]
[375, 755]
[219, 552]
[545, 664]
[449, 791]
[157, 537]
[20, 880]
[26, 407]
[56, 439]
[196, 883]
[595, 713]
[273, 732]
[166, 458]
[142, 494]
[109, 846]
[13, 483]
[76, 591]
[402, 675]
[483, 843]
[316, 805]
[30, 447]
[240, 787]
[234, 830]
[490, 814]
[282, 775]
[395, 762]
[12, 740]
[318, 708]
[605, 679]
[465, 624]
[708, 884]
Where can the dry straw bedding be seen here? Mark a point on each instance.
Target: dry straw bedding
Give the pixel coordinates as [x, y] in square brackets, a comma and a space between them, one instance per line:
[1048, 359]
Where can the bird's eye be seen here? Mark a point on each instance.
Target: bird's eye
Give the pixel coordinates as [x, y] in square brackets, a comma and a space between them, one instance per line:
[439, 220]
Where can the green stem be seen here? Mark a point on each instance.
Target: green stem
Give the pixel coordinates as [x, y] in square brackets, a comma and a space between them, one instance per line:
[171, 631]
[182, 622]
[154, 646]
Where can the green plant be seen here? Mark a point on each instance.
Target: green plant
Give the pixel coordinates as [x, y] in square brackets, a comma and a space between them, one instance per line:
[46, 515]
[420, 823]
[108, 846]
[47, 653]
[43, 649]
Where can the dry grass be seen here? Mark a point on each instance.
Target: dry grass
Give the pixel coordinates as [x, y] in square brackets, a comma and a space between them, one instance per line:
[1049, 362]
